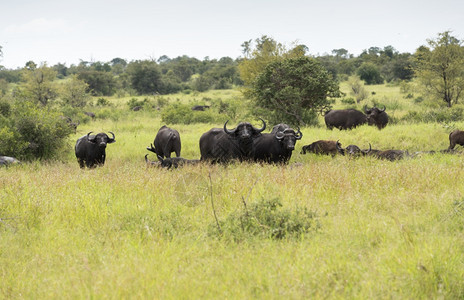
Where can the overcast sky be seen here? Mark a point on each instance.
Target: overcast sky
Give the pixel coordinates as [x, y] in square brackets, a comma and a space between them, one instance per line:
[60, 31]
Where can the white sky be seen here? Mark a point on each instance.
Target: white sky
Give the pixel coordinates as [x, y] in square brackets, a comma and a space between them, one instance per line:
[61, 31]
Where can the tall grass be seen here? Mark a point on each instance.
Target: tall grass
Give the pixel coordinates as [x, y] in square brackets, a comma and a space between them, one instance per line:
[386, 229]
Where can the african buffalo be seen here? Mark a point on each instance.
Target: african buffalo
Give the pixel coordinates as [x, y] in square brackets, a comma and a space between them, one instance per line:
[456, 137]
[276, 147]
[377, 117]
[152, 163]
[73, 125]
[323, 147]
[353, 150]
[90, 149]
[390, 155]
[175, 162]
[90, 114]
[351, 118]
[223, 145]
[167, 140]
[8, 160]
[279, 127]
[200, 107]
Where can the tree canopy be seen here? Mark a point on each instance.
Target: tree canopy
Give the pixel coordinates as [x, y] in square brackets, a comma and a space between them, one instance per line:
[440, 67]
[293, 90]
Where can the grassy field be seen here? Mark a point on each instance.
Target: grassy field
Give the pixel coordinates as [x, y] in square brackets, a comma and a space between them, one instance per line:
[379, 229]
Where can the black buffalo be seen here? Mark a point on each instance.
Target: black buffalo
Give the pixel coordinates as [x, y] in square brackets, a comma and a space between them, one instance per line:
[344, 119]
[223, 145]
[90, 149]
[8, 160]
[390, 155]
[276, 147]
[167, 140]
[175, 162]
[353, 150]
[323, 147]
[456, 138]
[377, 117]
[200, 107]
[279, 127]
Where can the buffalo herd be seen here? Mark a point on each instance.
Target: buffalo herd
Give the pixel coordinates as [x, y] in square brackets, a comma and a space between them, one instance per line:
[247, 143]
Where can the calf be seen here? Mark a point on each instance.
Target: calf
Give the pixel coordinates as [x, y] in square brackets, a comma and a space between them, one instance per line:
[175, 162]
[323, 147]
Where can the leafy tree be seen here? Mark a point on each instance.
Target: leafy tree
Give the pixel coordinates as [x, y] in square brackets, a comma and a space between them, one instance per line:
[440, 67]
[38, 85]
[370, 73]
[266, 50]
[145, 76]
[292, 90]
[101, 83]
[74, 92]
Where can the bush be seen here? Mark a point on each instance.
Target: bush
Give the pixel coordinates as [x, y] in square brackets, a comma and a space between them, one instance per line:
[33, 132]
[182, 114]
[267, 219]
[348, 101]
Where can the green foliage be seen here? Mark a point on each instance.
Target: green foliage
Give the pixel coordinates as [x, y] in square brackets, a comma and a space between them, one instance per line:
[293, 90]
[145, 76]
[100, 83]
[267, 219]
[440, 68]
[178, 113]
[440, 115]
[102, 102]
[38, 84]
[370, 73]
[74, 92]
[33, 132]
[266, 50]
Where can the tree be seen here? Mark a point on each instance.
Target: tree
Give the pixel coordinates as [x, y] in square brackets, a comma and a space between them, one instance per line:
[39, 83]
[370, 73]
[74, 92]
[266, 50]
[145, 76]
[440, 68]
[100, 83]
[292, 90]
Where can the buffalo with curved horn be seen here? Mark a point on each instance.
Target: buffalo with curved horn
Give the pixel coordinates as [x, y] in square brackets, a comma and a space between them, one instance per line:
[91, 149]
[276, 147]
[223, 145]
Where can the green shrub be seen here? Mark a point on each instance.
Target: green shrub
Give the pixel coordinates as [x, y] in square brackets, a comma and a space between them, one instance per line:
[348, 101]
[33, 132]
[266, 219]
[5, 108]
[178, 113]
[102, 102]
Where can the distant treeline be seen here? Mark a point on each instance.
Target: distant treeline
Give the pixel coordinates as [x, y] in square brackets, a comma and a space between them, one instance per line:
[165, 75]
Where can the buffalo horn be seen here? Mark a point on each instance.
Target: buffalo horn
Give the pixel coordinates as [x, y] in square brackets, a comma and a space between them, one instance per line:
[384, 107]
[367, 151]
[227, 130]
[262, 128]
[280, 135]
[298, 134]
[90, 139]
[112, 139]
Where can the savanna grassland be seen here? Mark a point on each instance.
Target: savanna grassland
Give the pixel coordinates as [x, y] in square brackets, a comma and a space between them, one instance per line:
[372, 228]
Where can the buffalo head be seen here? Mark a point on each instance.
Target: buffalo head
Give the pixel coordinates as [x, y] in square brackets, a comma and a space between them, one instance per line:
[244, 130]
[353, 150]
[101, 139]
[376, 116]
[288, 137]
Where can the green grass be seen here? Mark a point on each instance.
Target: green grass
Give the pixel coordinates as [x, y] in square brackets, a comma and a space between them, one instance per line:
[387, 229]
